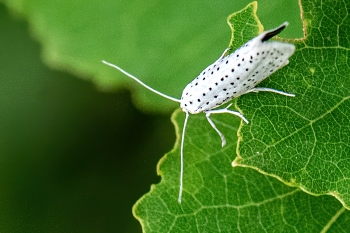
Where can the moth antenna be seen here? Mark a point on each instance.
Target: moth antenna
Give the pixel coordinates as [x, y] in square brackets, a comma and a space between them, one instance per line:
[140, 82]
[182, 157]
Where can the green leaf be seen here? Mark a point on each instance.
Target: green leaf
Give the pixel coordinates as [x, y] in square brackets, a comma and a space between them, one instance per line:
[304, 141]
[221, 198]
[76, 35]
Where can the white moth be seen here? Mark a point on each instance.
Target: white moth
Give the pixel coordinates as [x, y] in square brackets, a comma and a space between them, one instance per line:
[230, 76]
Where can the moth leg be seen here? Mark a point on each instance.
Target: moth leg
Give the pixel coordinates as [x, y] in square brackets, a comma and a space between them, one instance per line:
[257, 89]
[224, 110]
[223, 140]
[223, 54]
[285, 63]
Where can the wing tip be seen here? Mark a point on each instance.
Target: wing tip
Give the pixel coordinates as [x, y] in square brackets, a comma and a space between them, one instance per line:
[271, 33]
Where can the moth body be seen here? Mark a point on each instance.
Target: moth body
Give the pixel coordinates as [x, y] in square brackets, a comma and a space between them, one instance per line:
[236, 74]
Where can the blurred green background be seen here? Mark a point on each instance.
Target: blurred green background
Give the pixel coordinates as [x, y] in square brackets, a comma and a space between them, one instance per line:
[74, 158]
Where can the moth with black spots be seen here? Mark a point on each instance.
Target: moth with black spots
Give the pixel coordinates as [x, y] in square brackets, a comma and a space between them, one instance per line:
[230, 76]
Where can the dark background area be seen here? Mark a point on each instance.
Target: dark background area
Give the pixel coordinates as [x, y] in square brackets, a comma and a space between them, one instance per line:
[72, 158]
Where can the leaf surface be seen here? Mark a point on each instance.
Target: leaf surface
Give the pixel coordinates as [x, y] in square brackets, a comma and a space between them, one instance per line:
[304, 141]
[221, 198]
